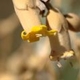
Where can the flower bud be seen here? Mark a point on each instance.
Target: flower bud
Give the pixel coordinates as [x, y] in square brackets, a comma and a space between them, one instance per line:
[74, 21]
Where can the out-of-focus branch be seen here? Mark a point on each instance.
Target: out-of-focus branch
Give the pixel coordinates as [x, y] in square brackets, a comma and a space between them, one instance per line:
[8, 25]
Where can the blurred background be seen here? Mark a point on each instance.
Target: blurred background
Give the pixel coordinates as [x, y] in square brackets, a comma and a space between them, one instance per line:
[16, 56]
